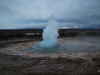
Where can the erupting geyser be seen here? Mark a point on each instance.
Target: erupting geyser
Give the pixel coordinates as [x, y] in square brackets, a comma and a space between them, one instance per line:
[50, 34]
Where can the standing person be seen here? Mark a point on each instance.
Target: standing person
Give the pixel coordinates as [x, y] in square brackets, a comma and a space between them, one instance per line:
[7, 37]
[30, 36]
[4, 36]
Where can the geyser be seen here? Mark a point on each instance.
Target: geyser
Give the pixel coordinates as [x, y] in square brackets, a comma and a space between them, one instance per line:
[50, 34]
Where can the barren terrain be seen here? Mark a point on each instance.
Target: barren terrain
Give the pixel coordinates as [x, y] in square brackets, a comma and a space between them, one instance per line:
[14, 61]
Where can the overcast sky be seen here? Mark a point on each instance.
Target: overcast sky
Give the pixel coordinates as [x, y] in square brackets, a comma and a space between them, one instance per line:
[35, 13]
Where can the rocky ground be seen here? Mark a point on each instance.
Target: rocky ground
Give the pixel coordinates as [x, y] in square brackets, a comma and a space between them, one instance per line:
[16, 65]
[66, 64]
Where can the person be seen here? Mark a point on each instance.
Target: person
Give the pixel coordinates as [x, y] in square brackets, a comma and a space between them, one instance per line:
[7, 37]
[4, 36]
[1, 36]
[12, 35]
[30, 36]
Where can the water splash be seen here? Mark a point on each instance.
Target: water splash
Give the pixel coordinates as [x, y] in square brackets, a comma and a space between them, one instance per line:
[50, 34]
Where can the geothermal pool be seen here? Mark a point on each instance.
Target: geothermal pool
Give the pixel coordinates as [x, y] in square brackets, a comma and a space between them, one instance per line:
[74, 55]
[68, 47]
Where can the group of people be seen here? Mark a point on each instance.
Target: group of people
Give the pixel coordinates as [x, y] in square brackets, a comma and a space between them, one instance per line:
[4, 36]
[31, 36]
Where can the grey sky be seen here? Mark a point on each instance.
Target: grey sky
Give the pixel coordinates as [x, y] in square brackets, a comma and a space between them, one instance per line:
[35, 13]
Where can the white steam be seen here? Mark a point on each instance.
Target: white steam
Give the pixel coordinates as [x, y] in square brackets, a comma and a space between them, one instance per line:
[50, 34]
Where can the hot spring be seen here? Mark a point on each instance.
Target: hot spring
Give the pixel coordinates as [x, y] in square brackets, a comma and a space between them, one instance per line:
[67, 45]
[51, 44]
[50, 38]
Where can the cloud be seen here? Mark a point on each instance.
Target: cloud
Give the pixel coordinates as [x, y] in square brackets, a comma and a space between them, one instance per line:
[38, 11]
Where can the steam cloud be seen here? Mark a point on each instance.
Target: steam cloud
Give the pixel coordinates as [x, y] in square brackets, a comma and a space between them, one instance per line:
[50, 34]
